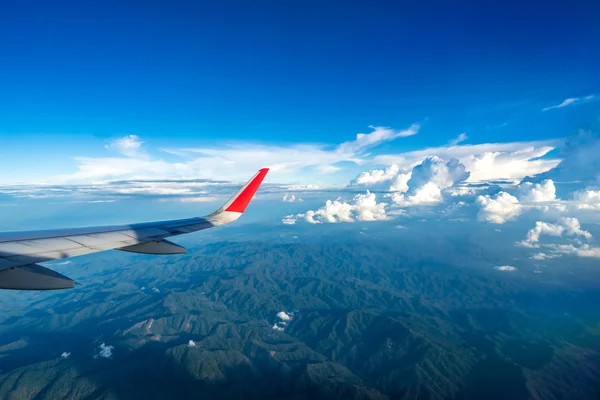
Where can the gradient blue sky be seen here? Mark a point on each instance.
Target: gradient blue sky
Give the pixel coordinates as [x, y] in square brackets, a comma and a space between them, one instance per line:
[75, 73]
[278, 76]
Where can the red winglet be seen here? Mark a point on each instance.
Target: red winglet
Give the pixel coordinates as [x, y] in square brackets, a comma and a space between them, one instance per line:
[241, 201]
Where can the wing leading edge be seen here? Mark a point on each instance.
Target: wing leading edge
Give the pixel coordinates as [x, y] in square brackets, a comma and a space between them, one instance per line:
[21, 251]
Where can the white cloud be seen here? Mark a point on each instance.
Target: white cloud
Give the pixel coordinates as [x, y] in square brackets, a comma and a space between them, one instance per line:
[460, 191]
[486, 162]
[378, 135]
[105, 351]
[277, 328]
[65, 355]
[439, 172]
[282, 315]
[539, 192]
[289, 220]
[570, 101]
[568, 226]
[207, 199]
[363, 208]
[191, 343]
[584, 250]
[427, 180]
[459, 139]
[291, 198]
[499, 209]
[376, 176]
[229, 161]
[506, 268]
[428, 194]
[128, 146]
[156, 290]
[587, 199]
[392, 179]
[542, 256]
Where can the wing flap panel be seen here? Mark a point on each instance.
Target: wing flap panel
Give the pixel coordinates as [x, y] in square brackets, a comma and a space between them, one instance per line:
[34, 277]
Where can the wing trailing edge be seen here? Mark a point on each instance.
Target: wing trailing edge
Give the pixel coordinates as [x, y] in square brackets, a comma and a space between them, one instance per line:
[20, 252]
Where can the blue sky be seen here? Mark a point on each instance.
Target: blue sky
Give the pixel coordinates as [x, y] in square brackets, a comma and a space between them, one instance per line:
[372, 111]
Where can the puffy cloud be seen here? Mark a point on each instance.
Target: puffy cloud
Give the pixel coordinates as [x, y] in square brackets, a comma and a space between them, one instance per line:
[284, 318]
[376, 176]
[506, 268]
[487, 162]
[391, 178]
[65, 355]
[128, 146]
[191, 343]
[568, 226]
[289, 220]
[539, 192]
[587, 199]
[437, 171]
[460, 191]
[542, 256]
[428, 194]
[282, 315]
[400, 183]
[584, 250]
[105, 351]
[427, 181]
[363, 208]
[570, 101]
[291, 198]
[499, 209]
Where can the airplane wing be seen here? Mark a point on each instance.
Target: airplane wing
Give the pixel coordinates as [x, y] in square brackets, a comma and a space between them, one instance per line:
[21, 251]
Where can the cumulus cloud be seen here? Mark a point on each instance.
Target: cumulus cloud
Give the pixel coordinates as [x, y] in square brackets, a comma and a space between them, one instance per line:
[488, 162]
[537, 193]
[499, 209]
[291, 198]
[428, 194]
[568, 226]
[542, 256]
[284, 318]
[427, 180]
[191, 343]
[391, 179]
[587, 199]
[289, 220]
[129, 146]
[437, 171]
[364, 207]
[65, 355]
[105, 351]
[570, 101]
[506, 268]
[584, 250]
[282, 315]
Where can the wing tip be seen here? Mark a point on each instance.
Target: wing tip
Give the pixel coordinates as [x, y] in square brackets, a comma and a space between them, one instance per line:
[242, 199]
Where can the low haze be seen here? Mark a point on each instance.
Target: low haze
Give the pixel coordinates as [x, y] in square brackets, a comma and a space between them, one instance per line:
[428, 229]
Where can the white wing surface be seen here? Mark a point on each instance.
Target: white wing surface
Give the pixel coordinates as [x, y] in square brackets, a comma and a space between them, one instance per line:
[21, 251]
